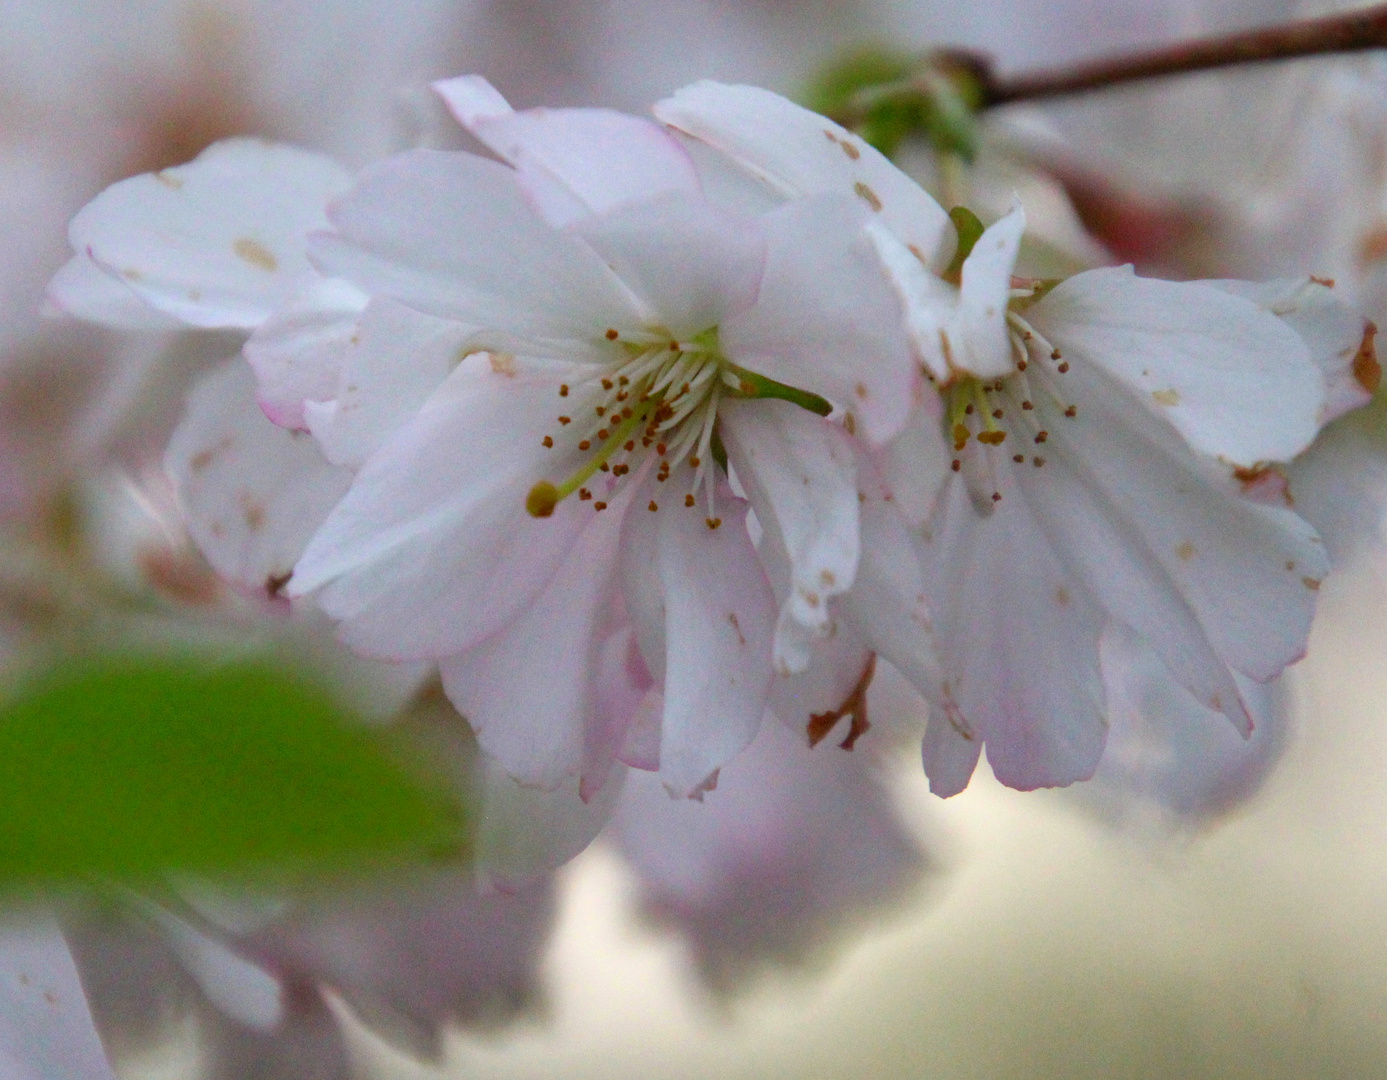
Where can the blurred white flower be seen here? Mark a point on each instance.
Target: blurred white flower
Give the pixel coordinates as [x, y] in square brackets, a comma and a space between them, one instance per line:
[46, 1028]
[797, 845]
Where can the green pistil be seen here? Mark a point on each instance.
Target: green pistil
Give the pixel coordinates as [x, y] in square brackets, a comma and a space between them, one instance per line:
[751, 385]
[544, 496]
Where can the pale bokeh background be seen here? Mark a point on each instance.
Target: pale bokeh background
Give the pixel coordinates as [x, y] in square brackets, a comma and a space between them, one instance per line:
[1050, 945]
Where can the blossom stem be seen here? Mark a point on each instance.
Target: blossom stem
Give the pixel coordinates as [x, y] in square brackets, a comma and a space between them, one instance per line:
[1351, 31]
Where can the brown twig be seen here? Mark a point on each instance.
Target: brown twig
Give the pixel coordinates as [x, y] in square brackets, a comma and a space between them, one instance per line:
[1353, 31]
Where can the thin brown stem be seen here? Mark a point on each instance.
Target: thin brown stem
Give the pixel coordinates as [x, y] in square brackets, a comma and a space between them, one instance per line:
[1353, 31]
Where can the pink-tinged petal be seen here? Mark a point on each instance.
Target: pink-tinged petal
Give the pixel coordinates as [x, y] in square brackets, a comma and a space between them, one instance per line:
[253, 493]
[1166, 751]
[1340, 486]
[46, 1029]
[692, 266]
[82, 290]
[1340, 340]
[719, 619]
[298, 352]
[793, 846]
[573, 162]
[451, 234]
[798, 152]
[983, 345]
[390, 365]
[1018, 635]
[826, 320]
[950, 749]
[915, 465]
[1235, 381]
[525, 832]
[218, 242]
[528, 689]
[432, 550]
[1250, 572]
[826, 685]
[888, 605]
[799, 473]
[620, 688]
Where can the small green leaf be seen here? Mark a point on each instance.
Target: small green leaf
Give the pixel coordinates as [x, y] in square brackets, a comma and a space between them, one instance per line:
[120, 769]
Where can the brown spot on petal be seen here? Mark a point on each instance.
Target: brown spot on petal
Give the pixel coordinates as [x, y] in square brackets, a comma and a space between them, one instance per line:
[1266, 484]
[1366, 369]
[503, 364]
[253, 512]
[867, 195]
[854, 706]
[255, 253]
[1062, 596]
[737, 626]
[1185, 551]
[1313, 584]
[1373, 247]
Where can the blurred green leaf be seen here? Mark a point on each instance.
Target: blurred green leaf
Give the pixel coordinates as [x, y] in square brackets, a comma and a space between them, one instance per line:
[122, 769]
[888, 97]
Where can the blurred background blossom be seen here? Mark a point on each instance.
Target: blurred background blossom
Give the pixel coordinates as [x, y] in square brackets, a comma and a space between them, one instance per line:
[1204, 907]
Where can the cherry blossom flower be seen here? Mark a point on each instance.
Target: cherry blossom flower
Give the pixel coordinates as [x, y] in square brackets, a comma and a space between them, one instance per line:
[1101, 450]
[635, 328]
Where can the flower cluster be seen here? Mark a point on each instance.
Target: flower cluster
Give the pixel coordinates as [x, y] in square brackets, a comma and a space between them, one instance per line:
[641, 429]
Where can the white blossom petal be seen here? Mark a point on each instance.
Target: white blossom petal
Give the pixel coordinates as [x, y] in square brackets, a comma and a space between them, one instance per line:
[527, 690]
[451, 234]
[826, 321]
[82, 290]
[253, 493]
[1250, 572]
[799, 472]
[1235, 383]
[1018, 636]
[431, 553]
[573, 162]
[798, 152]
[719, 619]
[888, 604]
[525, 832]
[692, 265]
[218, 242]
[1340, 340]
[985, 289]
[391, 364]
[1167, 752]
[298, 352]
[621, 687]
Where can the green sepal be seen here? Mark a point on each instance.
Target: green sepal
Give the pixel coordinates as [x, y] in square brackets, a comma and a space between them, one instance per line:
[970, 229]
